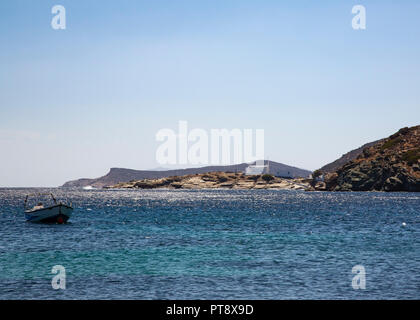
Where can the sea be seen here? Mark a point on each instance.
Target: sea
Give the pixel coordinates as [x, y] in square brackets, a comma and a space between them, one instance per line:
[213, 244]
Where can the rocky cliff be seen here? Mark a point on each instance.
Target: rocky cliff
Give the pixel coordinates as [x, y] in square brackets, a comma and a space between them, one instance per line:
[393, 164]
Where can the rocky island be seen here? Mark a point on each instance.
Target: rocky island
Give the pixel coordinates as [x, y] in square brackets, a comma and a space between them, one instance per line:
[216, 180]
[120, 175]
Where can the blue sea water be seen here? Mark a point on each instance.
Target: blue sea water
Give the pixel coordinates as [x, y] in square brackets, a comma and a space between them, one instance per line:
[214, 244]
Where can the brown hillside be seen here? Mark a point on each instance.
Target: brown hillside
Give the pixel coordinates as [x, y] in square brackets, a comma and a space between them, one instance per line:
[391, 165]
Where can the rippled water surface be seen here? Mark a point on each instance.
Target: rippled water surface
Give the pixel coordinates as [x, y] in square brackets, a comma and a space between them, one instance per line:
[218, 244]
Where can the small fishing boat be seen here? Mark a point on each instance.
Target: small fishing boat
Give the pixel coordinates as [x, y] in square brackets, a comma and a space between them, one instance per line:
[57, 212]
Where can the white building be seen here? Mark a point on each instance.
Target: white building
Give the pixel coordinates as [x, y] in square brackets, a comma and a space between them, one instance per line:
[257, 169]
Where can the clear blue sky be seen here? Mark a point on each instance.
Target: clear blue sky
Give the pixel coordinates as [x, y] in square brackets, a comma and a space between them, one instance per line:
[75, 102]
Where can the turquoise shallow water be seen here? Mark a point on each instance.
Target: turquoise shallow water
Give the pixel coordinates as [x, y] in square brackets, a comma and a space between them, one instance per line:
[216, 244]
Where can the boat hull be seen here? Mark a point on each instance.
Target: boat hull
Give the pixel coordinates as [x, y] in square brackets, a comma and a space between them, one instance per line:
[59, 213]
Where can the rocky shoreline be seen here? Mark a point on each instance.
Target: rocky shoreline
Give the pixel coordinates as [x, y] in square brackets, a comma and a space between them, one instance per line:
[391, 164]
[218, 180]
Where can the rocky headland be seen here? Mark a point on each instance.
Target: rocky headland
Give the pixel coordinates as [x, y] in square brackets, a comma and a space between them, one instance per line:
[391, 164]
[217, 180]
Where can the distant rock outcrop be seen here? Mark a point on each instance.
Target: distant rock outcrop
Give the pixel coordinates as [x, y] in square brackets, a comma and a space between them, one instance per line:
[117, 175]
[393, 164]
[217, 180]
